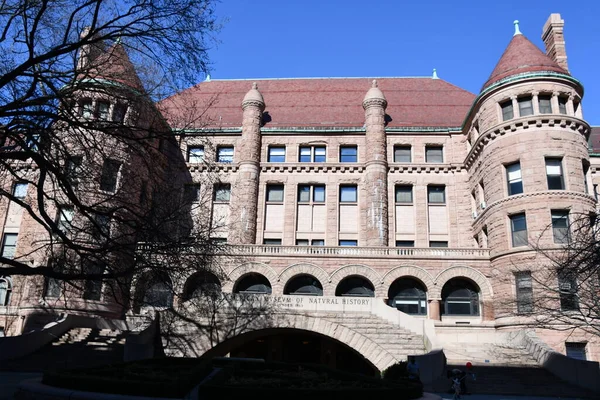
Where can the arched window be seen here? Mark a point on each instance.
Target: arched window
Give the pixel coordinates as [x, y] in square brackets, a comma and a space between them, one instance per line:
[201, 284]
[460, 297]
[304, 285]
[356, 286]
[409, 296]
[5, 289]
[158, 294]
[253, 283]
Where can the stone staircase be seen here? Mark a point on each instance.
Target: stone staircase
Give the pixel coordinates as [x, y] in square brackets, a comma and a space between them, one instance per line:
[488, 354]
[77, 348]
[396, 340]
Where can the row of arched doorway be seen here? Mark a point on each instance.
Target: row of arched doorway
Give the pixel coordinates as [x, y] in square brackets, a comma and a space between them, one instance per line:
[460, 296]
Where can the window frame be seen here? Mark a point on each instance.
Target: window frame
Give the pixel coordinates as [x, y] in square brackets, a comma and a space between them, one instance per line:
[110, 183]
[546, 108]
[192, 157]
[399, 147]
[429, 193]
[273, 188]
[270, 156]
[510, 182]
[222, 188]
[522, 109]
[515, 240]
[64, 218]
[187, 191]
[348, 243]
[524, 292]
[225, 159]
[353, 158]
[354, 188]
[556, 216]
[15, 191]
[429, 157]
[3, 249]
[312, 156]
[553, 179]
[507, 110]
[398, 191]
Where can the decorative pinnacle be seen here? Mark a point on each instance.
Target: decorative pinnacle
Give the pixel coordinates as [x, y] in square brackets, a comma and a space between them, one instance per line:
[517, 31]
[374, 83]
[435, 76]
[254, 85]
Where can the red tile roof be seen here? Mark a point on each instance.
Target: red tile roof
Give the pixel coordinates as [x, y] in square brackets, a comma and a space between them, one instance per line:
[115, 65]
[325, 102]
[521, 56]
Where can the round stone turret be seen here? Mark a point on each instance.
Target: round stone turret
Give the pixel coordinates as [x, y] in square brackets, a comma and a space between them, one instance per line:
[253, 98]
[374, 96]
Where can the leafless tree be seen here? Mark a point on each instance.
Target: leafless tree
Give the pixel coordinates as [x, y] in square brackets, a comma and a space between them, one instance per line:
[88, 163]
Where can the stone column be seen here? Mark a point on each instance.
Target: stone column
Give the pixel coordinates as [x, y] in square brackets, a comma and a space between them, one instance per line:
[515, 104]
[245, 192]
[570, 106]
[554, 101]
[376, 188]
[535, 103]
[434, 309]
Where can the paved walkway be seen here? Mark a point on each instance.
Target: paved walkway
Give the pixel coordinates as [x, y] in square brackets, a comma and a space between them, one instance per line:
[10, 380]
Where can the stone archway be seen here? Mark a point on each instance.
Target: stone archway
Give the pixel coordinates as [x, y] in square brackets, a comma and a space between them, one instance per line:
[199, 345]
[408, 271]
[248, 268]
[462, 272]
[357, 270]
[308, 269]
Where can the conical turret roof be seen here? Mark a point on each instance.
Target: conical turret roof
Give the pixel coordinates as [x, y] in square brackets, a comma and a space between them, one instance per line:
[519, 57]
[115, 65]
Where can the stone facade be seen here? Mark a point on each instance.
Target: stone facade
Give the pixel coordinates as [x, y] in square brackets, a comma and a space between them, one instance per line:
[417, 192]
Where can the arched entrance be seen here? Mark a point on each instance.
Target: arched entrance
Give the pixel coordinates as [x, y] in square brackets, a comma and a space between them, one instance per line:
[294, 346]
[460, 297]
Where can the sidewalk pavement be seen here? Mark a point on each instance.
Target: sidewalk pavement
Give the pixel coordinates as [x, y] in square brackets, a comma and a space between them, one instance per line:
[447, 396]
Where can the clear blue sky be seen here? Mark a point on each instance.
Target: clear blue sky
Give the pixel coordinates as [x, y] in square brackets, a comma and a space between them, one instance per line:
[347, 38]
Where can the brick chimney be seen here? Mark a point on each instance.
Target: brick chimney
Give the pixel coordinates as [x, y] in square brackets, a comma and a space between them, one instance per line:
[554, 39]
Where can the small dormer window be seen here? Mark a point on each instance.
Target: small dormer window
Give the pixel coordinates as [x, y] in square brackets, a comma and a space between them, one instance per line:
[507, 110]
[525, 106]
[545, 104]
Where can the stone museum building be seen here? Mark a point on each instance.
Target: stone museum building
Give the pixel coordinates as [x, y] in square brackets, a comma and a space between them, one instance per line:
[388, 215]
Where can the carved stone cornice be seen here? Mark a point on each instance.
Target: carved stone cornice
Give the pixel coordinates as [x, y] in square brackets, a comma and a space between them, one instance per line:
[524, 196]
[311, 167]
[368, 103]
[426, 168]
[253, 103]
[201, 167]
[522, 124]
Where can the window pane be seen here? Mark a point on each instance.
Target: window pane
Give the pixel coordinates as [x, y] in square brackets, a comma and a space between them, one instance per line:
[348, 154]
[405, 243]
[317, 242]
[348, 243]
[20, 190]
[304, 193]
[525, 106]
[301, 242]
[507, 110]
[562, 105]
[524, 292]
[404, 194]
[402, 154]
[318, 194]
[195, 154]
[576, 351]
[9, 244]
[191, 193]
[305, 154]
[276, 154]
[74, 169]
[103, 110]
[434, 154]
[319, 154]
[348, 194]
[545, 104]
[436, 194]
[560, 226]
[225, 154]
[554, 174]
[272, 242]
[110, 173]
[65, 217]
[222, 193]
[438, 244]
[275, 193]
[515, 184]
[519, 230]
[86, 108]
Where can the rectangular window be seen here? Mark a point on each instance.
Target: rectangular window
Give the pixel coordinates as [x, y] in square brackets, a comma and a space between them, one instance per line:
[348, 154]
[576, 350]
[195, 154]
[74, 170]
[101, 227]
[518, 228]
[312, 154]
[402, 154]
[306, 192]
[191, 193]
[53, 286]
[438, 243]
[110, 174]
[20, 190]
[554, 174]
[9, 245]
[222, 193]
[524, 292]
[225, 154]
[545, 104]
[507, 110]
[275, 193]
[301, 242]
[103, 107]
[525, 106]
[93, 287]
[567, 287]
[405, 243]
[562, 105]
[348, 243]
[434, 154]
[404, 194]
[64, 219]
[348, 194]
[513, 176]
[436, 194]
[85, 108]
[317, 242]
[119, 112]
[272, 242]
[276, 154]
[560, 226]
